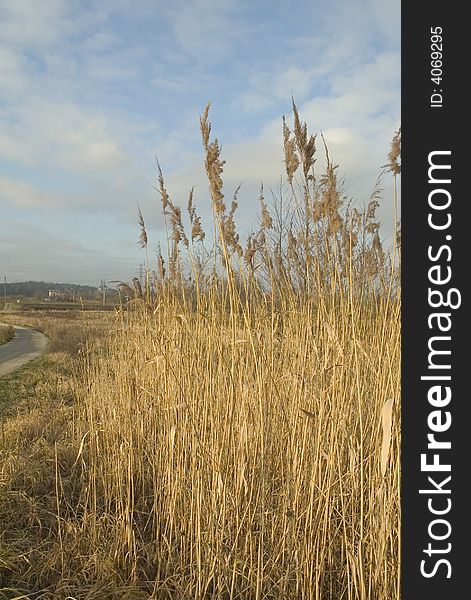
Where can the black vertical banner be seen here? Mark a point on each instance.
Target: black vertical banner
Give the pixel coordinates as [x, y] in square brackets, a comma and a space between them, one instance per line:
[435, 326]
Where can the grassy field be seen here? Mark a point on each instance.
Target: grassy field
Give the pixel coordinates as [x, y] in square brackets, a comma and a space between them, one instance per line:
[234, 433]
[37, 408]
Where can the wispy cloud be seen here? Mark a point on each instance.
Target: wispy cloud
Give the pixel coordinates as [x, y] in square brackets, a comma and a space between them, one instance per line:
[24, 195]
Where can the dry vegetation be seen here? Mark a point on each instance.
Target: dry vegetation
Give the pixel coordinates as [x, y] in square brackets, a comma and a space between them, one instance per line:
[6, 333]
[238, 437]
[68, 332]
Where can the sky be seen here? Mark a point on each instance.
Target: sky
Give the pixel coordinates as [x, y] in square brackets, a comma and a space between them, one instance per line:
[91, 92]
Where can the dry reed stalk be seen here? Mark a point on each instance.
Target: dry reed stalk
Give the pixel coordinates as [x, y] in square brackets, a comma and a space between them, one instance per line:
[386, 421]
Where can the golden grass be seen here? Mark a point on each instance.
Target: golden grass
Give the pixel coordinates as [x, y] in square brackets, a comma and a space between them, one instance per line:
[238, 436]
[243, 457]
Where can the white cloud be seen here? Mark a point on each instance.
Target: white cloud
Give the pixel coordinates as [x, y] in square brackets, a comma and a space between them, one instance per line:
[33, 24]
[170, 84]
[13, 68]
[23, 194]
[203, 28]
[101, 41]
[254, 102]
[41, 131]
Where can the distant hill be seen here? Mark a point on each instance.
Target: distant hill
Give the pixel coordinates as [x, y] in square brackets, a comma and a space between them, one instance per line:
[40, 289]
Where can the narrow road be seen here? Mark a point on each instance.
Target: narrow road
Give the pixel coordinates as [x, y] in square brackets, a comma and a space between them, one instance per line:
[25, 346]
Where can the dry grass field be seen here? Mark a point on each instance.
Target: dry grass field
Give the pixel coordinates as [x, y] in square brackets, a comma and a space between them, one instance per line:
[233, 434]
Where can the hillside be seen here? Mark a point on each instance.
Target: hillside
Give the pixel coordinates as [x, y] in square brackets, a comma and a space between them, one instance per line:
[41, 289]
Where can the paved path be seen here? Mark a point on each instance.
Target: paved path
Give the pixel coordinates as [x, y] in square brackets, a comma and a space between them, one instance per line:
[26, 345]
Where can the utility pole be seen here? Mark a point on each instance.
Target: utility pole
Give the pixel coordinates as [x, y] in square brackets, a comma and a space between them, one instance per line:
[103, 290]
[4, 292]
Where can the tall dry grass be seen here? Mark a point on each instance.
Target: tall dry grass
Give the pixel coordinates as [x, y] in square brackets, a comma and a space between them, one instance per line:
[241, 456]
[239, 436]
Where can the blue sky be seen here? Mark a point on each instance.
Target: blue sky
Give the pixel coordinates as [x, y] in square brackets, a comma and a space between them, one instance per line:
[92, 91]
